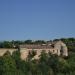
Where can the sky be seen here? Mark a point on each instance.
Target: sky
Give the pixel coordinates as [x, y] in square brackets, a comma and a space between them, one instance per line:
[37, 19]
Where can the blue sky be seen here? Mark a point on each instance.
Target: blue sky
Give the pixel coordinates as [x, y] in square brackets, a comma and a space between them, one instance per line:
[36, 19]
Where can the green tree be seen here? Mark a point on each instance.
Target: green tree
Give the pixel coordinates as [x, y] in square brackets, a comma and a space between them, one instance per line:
[8, 65]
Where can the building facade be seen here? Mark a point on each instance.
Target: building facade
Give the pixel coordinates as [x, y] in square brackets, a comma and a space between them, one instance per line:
[57, 47]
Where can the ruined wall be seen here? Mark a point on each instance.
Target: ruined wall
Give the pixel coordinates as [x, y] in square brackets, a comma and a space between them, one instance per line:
[3, 51]
[24, 51]
[61, 46]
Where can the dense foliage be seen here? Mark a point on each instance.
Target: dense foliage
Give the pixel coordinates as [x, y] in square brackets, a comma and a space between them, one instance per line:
[48, 64]
[15, 44]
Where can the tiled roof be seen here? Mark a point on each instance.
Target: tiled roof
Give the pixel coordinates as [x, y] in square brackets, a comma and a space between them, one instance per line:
[29, 46]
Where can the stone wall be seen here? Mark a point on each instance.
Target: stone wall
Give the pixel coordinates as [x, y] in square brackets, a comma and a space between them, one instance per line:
[24, 51]
[3, 51]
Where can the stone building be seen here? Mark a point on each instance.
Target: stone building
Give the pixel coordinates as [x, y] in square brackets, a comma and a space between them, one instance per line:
[56, 47]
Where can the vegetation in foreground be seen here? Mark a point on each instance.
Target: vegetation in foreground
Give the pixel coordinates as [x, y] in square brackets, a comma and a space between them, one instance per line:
[48, 64]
